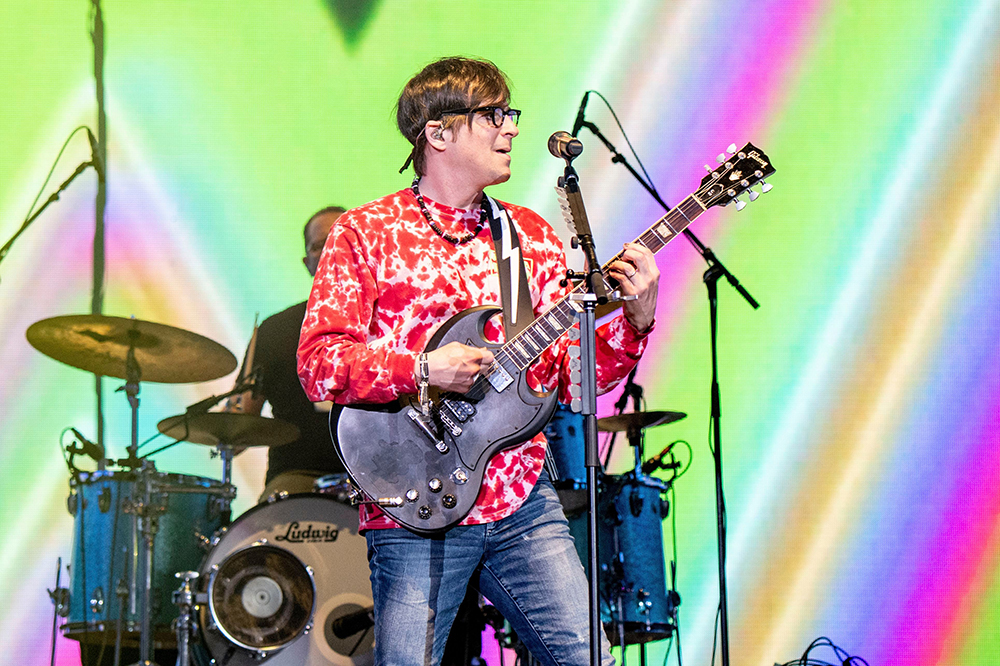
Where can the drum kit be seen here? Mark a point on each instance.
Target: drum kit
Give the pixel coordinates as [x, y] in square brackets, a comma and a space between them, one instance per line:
[157, 564]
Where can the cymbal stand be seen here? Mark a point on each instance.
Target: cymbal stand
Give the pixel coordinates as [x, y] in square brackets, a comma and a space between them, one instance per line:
[142, 506]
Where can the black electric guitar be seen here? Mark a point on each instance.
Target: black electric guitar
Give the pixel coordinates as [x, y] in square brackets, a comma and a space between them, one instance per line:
[425, 471]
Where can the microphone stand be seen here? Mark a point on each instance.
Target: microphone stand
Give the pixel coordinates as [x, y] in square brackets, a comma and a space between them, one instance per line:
[596, 293]
[715, 270]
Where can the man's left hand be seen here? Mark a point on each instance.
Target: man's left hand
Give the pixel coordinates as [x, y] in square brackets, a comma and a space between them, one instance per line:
[637, 275]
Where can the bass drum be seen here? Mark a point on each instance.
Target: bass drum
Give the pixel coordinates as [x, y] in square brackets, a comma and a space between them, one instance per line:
[280, 578]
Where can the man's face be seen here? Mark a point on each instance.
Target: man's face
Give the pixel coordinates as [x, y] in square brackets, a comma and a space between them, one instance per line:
[316, 235]
[481, 153]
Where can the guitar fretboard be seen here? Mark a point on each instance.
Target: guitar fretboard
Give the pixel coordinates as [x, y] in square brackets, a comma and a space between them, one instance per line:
[529, 344]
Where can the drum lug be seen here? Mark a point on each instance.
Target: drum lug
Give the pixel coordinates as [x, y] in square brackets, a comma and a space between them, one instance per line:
[97, 600]
[277, 496]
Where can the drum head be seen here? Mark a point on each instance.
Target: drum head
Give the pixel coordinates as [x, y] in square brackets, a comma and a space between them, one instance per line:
[262, 597]
[257, 570]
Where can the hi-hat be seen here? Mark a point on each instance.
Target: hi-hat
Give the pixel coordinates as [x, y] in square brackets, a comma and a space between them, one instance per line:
[100, 344]
[624, 422]
[236, 430]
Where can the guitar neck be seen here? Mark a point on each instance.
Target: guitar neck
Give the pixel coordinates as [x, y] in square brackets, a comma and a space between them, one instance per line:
[538, 336]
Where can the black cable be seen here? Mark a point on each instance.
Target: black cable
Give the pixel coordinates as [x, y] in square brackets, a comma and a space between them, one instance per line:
[649, 181]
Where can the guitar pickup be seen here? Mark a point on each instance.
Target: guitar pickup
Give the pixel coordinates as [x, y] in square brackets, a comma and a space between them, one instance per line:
[461, 410]
[424, 423]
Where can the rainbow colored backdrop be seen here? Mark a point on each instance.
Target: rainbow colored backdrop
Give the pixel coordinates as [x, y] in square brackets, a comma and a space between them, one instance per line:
[861, 402]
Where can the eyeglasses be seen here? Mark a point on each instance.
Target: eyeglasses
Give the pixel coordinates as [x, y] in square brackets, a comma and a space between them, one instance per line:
[495, 114]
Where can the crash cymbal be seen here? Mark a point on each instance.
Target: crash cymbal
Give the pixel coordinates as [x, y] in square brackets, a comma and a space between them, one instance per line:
[238, 430]
[100, 345]
[622, 422]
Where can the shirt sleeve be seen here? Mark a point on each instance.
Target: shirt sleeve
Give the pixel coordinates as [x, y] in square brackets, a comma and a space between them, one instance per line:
[336, 361]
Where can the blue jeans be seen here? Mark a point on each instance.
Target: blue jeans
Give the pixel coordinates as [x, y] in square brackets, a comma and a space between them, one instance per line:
[525, 564]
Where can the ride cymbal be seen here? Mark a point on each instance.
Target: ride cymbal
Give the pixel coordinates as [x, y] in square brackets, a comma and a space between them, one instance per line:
[100, 344]
[624, 422]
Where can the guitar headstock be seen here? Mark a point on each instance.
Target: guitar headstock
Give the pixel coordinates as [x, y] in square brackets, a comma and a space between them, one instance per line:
[737, 173]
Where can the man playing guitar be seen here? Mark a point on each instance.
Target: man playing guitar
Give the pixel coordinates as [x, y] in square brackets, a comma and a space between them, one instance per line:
[392, 272]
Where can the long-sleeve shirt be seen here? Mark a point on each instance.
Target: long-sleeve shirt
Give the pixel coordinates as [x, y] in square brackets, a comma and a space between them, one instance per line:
[386, 281]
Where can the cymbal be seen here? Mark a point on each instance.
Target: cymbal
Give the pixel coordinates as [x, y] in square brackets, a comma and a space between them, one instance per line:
[622, 422]
[238, 430]
[99, 344]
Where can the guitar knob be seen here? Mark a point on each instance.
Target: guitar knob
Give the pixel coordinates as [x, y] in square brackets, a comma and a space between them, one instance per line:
[449, 501]
[424, 512]
[434, 485]
[412, 495]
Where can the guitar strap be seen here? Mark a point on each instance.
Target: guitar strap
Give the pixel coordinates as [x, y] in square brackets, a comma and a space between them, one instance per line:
[510, 267]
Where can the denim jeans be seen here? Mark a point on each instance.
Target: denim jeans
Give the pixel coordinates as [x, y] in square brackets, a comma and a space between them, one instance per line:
[525, 564]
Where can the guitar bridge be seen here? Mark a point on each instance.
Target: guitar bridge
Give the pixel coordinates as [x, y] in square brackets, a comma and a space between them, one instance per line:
[425, 424]
[499, 378]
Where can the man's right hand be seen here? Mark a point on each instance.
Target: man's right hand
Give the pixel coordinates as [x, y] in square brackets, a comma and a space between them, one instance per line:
[454, 367]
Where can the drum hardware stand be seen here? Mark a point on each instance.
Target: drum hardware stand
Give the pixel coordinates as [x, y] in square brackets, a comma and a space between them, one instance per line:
[715, 270]
[185, 600]
[146, 513]
[60, 602]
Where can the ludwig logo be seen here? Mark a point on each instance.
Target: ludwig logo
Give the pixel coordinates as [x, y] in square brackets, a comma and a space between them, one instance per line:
[308, 534]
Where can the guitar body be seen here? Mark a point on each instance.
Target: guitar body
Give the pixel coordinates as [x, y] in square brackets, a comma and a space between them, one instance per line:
[428, 482]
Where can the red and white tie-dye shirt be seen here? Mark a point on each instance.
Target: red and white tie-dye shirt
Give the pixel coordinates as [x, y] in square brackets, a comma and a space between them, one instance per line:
[386, 281]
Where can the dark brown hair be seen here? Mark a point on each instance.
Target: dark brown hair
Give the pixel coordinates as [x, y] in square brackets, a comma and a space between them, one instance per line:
[443, 85]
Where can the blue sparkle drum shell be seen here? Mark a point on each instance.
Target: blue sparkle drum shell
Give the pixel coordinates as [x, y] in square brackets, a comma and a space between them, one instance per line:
[107, 572]
[632, 582]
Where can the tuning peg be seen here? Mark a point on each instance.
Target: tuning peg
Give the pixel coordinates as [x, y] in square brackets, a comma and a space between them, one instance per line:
[721, 158]
[708, 168]
[753, 195]
[765, 187]
[740, 204]
[731, 149]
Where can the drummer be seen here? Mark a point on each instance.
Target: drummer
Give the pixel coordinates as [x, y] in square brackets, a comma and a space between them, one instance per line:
[293, 468]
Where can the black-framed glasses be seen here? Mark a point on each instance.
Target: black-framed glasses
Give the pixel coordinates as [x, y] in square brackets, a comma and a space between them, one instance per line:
[495, 114]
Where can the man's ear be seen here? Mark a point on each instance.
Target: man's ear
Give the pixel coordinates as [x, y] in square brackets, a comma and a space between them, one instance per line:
[434, 133]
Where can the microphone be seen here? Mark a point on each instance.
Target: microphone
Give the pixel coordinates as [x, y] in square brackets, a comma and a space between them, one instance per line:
[352, 623]
[580, 114]
[95, 155]
[88, 448]
[561, 144]
[656, 462]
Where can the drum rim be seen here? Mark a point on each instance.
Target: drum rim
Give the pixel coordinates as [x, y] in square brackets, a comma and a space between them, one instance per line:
[216, 568]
